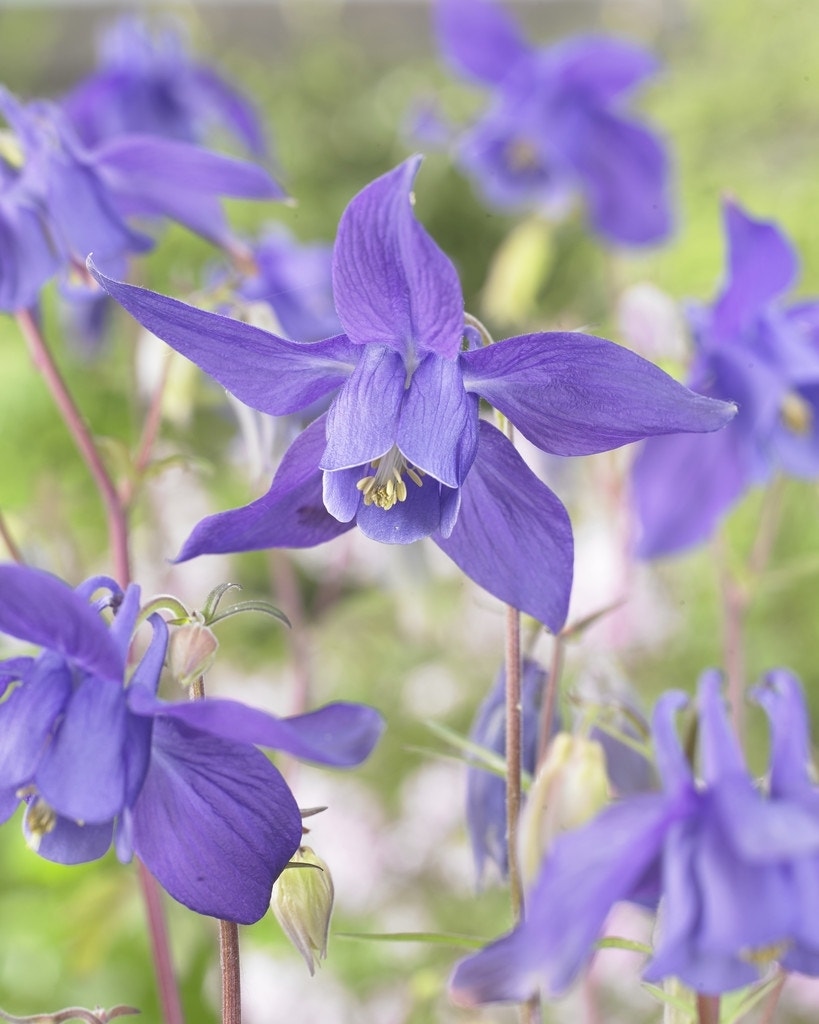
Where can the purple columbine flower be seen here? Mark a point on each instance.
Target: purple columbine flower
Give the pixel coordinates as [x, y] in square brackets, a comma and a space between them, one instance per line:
[402, 452]
[63, 198]
[724, 859]
[751, 350]
[147, 83]
[97, 757]
[556, 125]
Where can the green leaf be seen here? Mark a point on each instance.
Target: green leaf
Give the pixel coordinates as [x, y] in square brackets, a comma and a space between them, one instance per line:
[250, 606]
[431, 938]
[615, 942]
[484, 757]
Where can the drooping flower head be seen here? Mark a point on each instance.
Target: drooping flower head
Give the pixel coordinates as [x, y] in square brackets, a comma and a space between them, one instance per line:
[402, 452]
[555, 123]
[148, 83]
[97, 757]
[733, 869]
[762, 355]
[59, 201]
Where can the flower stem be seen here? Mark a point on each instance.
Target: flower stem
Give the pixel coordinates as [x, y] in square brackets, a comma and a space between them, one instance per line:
[514, 755]
[229, 961]
[117, 517]
[707, 1009]
[14, 551]
[160, 947]
[734, 605]
[231, 978]
[769, 1011]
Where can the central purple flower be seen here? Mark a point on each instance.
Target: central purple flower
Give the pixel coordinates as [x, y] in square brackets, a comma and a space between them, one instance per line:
[402, 452]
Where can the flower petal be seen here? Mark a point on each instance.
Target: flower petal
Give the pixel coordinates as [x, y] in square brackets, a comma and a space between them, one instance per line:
[290, 515]
[81, 773]
[512, 535]
[340, 734]
[407, 521]
[574, 394]
[40, 609]
[602, 68]
[236, 113]
[762, 264]
[362, 422]
[14, 670]
[215, 823]
[682, 486]
[783, 699]
[393, 286]
[586, 873]
[70, 843]
[479, 38]
[438, 431]
[27, 717]
[263, 371]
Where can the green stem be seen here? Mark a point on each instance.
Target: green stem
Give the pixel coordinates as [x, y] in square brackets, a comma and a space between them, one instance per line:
[15, 554]
[514, 757]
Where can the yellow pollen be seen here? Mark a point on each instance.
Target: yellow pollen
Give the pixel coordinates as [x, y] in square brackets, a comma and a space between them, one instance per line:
[763, 955]
[522, 155]
[10, 149]
[387, 487]
[796, 413]
[40, 820]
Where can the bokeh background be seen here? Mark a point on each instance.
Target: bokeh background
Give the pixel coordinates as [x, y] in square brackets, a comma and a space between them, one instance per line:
[737, 103]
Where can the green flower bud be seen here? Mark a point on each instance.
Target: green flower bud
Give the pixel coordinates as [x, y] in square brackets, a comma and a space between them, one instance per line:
[569, 789]
[302, 901]
[191, 652]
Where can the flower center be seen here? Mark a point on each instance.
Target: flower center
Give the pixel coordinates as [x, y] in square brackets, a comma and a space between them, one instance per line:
[761, 956]
[387, 486]
[40, 819]
[10, 149]
[796, 413]
[522, 155]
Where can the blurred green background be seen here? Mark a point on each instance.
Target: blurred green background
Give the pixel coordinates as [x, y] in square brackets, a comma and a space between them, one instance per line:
[737, 103]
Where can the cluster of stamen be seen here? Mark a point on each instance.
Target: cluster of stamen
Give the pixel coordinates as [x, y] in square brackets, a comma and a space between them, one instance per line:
[522, 155]
[40, 819]
[796, 413]
[761, 956]
[387, 487]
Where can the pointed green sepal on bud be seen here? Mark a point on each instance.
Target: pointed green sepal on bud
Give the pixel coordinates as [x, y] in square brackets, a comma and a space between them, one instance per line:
[191, 652]
[302, 901]
[569, 789]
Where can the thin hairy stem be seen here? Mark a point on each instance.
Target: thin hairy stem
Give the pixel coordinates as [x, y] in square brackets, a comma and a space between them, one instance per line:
[769, 1010]
[115, 509]
[231, 978]
[514, 757]
[150, 431]
[734, 605]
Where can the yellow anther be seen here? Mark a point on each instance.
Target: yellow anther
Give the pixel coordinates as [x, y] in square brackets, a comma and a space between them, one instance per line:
[10, 149]
[40, 820]
[388, 487]
[796, 413]
[761, 956]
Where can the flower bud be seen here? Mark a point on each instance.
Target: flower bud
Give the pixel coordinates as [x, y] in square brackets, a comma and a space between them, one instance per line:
[191, 652]
[569, 790]
[302, 901]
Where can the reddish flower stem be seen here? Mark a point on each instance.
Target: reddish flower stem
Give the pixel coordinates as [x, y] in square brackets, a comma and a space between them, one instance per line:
[707, 1009]
[120, 554]
[117, 517]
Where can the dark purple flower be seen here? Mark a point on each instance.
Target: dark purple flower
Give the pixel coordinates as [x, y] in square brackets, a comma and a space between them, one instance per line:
[71, 200]
[96, 756]
[555, 124]
[485, 791]
[764, 357]
[722, 857]
[402, 452]
[147, 83]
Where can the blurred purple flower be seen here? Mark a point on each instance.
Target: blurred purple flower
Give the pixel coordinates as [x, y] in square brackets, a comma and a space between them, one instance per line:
[402, 453]
[725, 860]
[147, 83]
[763, 356]
[65, 201]
[296, 280]
[555, 124]
[97, 758]
[485, 791]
